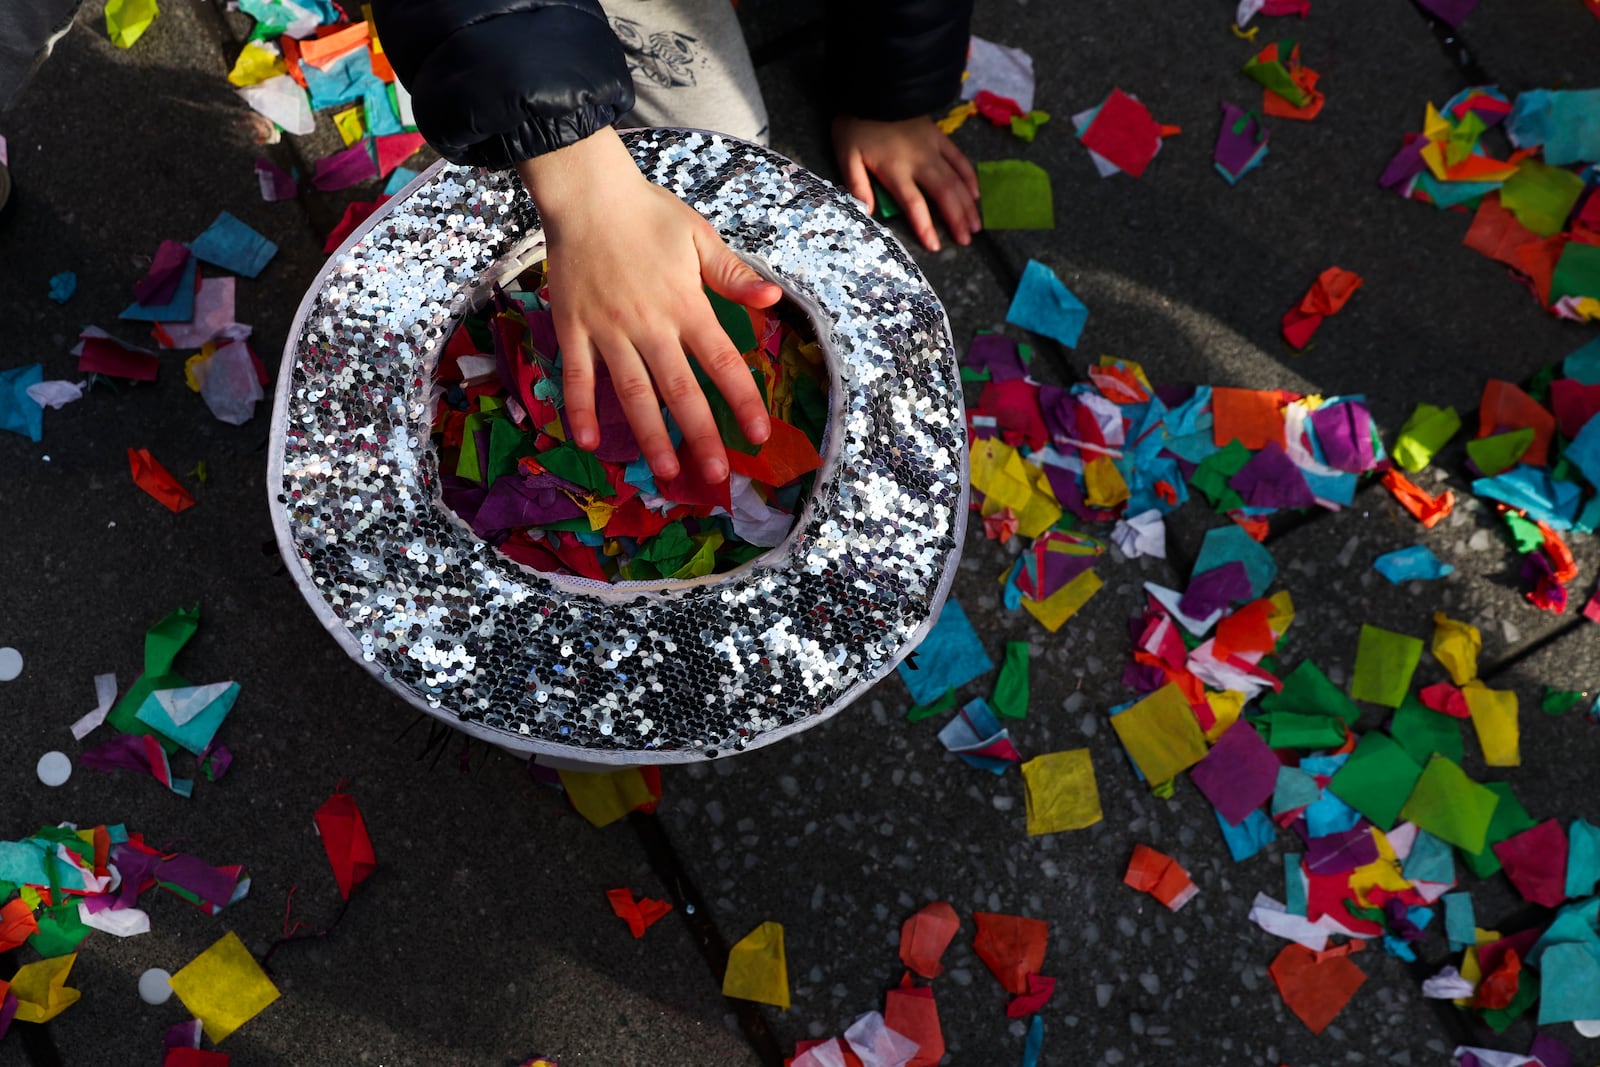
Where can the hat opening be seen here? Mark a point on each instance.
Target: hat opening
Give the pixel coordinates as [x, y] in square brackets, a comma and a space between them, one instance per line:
[590, 521]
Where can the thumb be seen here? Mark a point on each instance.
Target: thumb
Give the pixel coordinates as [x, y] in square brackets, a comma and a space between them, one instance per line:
[730, 276]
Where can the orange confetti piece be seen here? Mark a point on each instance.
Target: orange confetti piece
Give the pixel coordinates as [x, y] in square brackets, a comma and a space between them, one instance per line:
[154, 479]
[1317, 985]
[1011, 946]
[1428, 510]
[1161, 876]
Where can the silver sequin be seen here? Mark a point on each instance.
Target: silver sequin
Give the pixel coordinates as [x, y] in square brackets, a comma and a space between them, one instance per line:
[654, 672]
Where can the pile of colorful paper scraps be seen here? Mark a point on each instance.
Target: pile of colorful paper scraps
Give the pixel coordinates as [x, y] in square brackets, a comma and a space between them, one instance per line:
[1382, 815]
[161, 714]
[62, 882]
[1117, 449]
[303, 57]
[1536, 211]
[513, 474]
[1537, 458]
[1289, 88]
[907, 1033]
[998, 85]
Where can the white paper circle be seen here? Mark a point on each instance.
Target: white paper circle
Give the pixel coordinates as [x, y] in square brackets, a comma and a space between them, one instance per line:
[10, 663]
[54, 768]
[155, 986]
[1588, 1027]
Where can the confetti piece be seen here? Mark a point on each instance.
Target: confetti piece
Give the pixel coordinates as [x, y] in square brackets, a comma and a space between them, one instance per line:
[224, 987]
[757, 969]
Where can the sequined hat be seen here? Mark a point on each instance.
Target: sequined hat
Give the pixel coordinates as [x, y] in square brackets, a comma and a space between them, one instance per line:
[646, 672]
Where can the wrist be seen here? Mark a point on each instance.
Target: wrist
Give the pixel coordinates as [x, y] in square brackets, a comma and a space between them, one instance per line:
[580, 172]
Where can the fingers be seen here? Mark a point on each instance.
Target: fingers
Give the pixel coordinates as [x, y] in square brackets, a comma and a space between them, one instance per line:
[640, 404]
[961, 164]
[857, 180]
[730, 276]
[577, 387]
[677, 386]
[723, 364]
[955, 203]
[906, 192]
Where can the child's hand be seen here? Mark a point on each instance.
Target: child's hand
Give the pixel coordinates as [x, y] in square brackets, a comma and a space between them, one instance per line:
[626, 261]
[913, 159]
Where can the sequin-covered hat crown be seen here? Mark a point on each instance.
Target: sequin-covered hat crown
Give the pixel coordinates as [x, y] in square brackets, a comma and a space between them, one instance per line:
[632, 673]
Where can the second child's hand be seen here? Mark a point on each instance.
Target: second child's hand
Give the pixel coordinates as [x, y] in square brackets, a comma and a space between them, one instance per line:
[916, 162]
[626, 263]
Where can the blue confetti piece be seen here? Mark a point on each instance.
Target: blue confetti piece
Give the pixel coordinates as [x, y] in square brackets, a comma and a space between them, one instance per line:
[398, 180]
[1035, 1042]
[1045, 306]
[1583, 859]
[1584, 451]
[948, 658]
[1460, 923]
[19, 412]
[1295, 890]
[1417, 563]
[1225, 544]
[62, 286]
[1584, 364]
[1534, 491]
[345, 80]
[1431, 860]
[232, 245]
[1249, 837]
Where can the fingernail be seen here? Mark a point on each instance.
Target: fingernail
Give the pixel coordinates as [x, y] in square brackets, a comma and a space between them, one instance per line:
[665, 467]
[758, 430]
[588, 440]
[715, 471]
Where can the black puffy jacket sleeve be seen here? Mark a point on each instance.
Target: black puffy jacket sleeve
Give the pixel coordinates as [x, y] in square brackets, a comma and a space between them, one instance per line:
[895, 59]
[495, 82]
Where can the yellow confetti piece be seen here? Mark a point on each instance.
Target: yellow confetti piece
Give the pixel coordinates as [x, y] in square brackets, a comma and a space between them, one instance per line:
[1242, 33]
[126, 20]
[1382, 873]
[1227, 706]
[1456, 646]
[1161, 734]
[1281, 617]
[1471, 970]
[1061, 792]
[1494, 717]
[956, 116]
[256, 64]
[348, 123]
[191, 366]
[1104, 484]
[41, 989]
[1007, 481]
[1064, 603]
[757, 968]
[224, 987]
[598, 511]
[603, 797]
